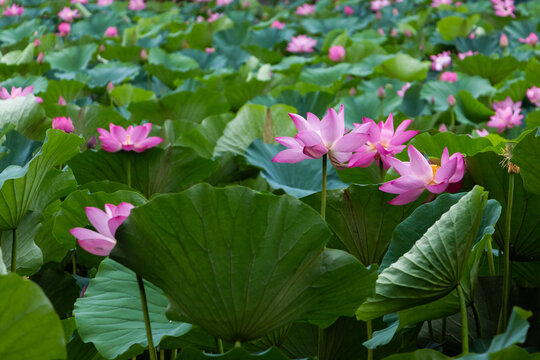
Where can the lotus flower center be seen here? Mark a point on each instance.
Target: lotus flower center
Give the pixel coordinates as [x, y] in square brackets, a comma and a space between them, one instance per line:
[434, 168]
[128, 139]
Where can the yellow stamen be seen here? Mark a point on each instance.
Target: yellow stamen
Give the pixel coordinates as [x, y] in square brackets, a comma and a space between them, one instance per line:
[434, 168]
[127, 140]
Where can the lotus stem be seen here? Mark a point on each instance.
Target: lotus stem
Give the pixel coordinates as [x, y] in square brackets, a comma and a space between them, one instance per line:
[74, 263]
[369, 330]
[430, 329]
[151, 348]
[490, 258]
[219, 345]
[161, 354]
[382, 110]
[464, 324]
[320, 344]
[14, 252]
[128, 171]
[443, 330]
[507, 278]
[174, 354]
[323, 194]
[477, 321]
[452, 118]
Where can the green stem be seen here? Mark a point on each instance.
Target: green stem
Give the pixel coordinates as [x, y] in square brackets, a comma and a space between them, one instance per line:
[174, 354]
[219, 345]
[161, 354]
[151, 348]
[452, 118]
[74, 263]
[443, 330]
[128, 171]
[382, 110]
[382, 172]
[320, 344]
[464, 325]
[323, 194]
[369, 330]
[477, 321]
[507, 278]
[490, 258]
[430, 328]
[14, 252]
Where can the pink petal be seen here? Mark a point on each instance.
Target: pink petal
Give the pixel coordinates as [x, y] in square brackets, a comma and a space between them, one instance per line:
[419, 165]
[109, 144]
[445, 172]
[315, 151]
[313, 121]
[289, 142]
[118, 133]
[300, 123]
[437, 188]
[460, 168]
[350, 142]
[362, 159]
[340, 156]
[99, 219]
[402, 184]
[139, 133]
[309, 138]
[332, 127]
[290, 156]
[388, 128]
[402, 168]
[147, 143]
[444, 157]
[406, 197]
[93, 242]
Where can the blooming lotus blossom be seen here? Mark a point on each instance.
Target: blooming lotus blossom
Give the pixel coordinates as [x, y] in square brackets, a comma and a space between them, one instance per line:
[18, 92]
[507, 115]
[277, 25]
[106, 223]
[436, 3]
[305, 9]
[111, 32]
[440, 61]
[316, 138]
[404, 88]
[63, 123]
[133, 138]
[136, 5]
[62, 101]
[504, 8]
[64, 29]
[377, 5]
[336, 53]
[104, 2]
[382, 142]
[68, 15]
[449, 76]
[534, 95]
[532, 39]
[14, 10]
[348, 10]
[301, 44]
[418, 175]
[462, 56]
[223, 2]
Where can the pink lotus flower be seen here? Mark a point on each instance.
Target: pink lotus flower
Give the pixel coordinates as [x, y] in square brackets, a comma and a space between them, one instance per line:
[37, 42]
[507, 115]
[136, 5]
[213, 17]
[462, 56]
[14, 10]
[336, 53]
[404, 88]
[305, 9]
[377, 5]
[301, 44]
[449, 76]
[380, 31]
[110, 86]
[223, 2]
[62, 101]
[40, 57]
[348, 10]
[79, 2]
[503, 40]
[68, 15]
[210, 50]
[144, 54]
[440, 61]
[104, 2]
[18, 92]
[408, 33]
[504, 8]
[443, 128]
[133, 138]
[534, 95]
[63, 123]
[418, 175]
[436, 3]
[382, 142]
[532, 39]
[64, 29]
[277, 25]
[482, 133]
[2, 2]
[316, 138]
[451, 100]
[106, 223]
[111, 32]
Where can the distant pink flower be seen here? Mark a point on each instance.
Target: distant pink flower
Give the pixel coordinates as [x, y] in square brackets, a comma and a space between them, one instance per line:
[377, 5]
[223, 2]
[382, 142]
[305, 9]
[381, 93]
[64, 29]
[408, 33]
[532, 39]
[210, 50]
[348, 10]
[62, 101]
[63, 123]
[462, 56]
[104, 2]
[504, 8]
[111, 32]
[14, 10]
[443, 128]
[18, 92]
[440, 61]
[449, 76]
[507, 115]
[130, 139]
[436, 3]
[277, 25]
[451, 100]
[144, 54]
[482, 133]
[136, 5]
[534, 95]
[393, 33]
[336, 53]
[316, 138]
[213, 16]
[395, 11]
[418, 174]
[37, 42]
[79, 2]
[352, 91]
[110, 86]
[503, 40]
[381, 31]
[301, 44]
[68, 15]
[106, 223]
[401, 93]
[40, 57]
[2, 2]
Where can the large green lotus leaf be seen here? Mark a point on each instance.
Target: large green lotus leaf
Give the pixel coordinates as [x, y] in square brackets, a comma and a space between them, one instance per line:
[526, 155]
[72, 214]
[115, 290]
[486, 170]
[405, 68]
[30, 328]
[204, 137]
[239, 93]
[434, 265]
[97, 116]
[153, 171]
[368, 105]
[362, 220]
[316, 102]
[78, 350]
[238, 284]
[324, 77]
[127, 93]
[15, 34]
[495, 70]
[25, 114]
[71, 59]
[169, 67]
[18, 57]
[20, 186]
[17, 150]
[234, 354]
[254, 122]
[470, 110]
[422, 354]
[68, 89]
[114, 72]
[433, 145]
[324, 26]
[299, 180]
[451, 27]
[439, 90]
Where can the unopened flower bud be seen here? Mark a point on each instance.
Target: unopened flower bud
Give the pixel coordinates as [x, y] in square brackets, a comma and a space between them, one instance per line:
[451, 100]
[381, 94]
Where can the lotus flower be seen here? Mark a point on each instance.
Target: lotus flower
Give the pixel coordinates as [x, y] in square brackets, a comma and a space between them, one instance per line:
[223, 2]
[316, 138]
[440, 61]
[336, 53]
[133, 138]
[503, 40]
[348, 10]
[377, 5]
[18, 92]
[437, 3]
[277, 25]
[305, 9]
[66, 14]
[40, 57]
[504, 8]
[418, 175]
[144, 54]
[62, 101]
[64, 29]
[482, 133]
[534, 95]
[63, 123]
[136, 5]
[79, 2]
[462, 56]
[532, 39]
[14, 10]
[301, 44]
[106, 223]
[404, 88]
[104, 2]
[111, 32]
[507, 115]
[449, 76]
[382, 142]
